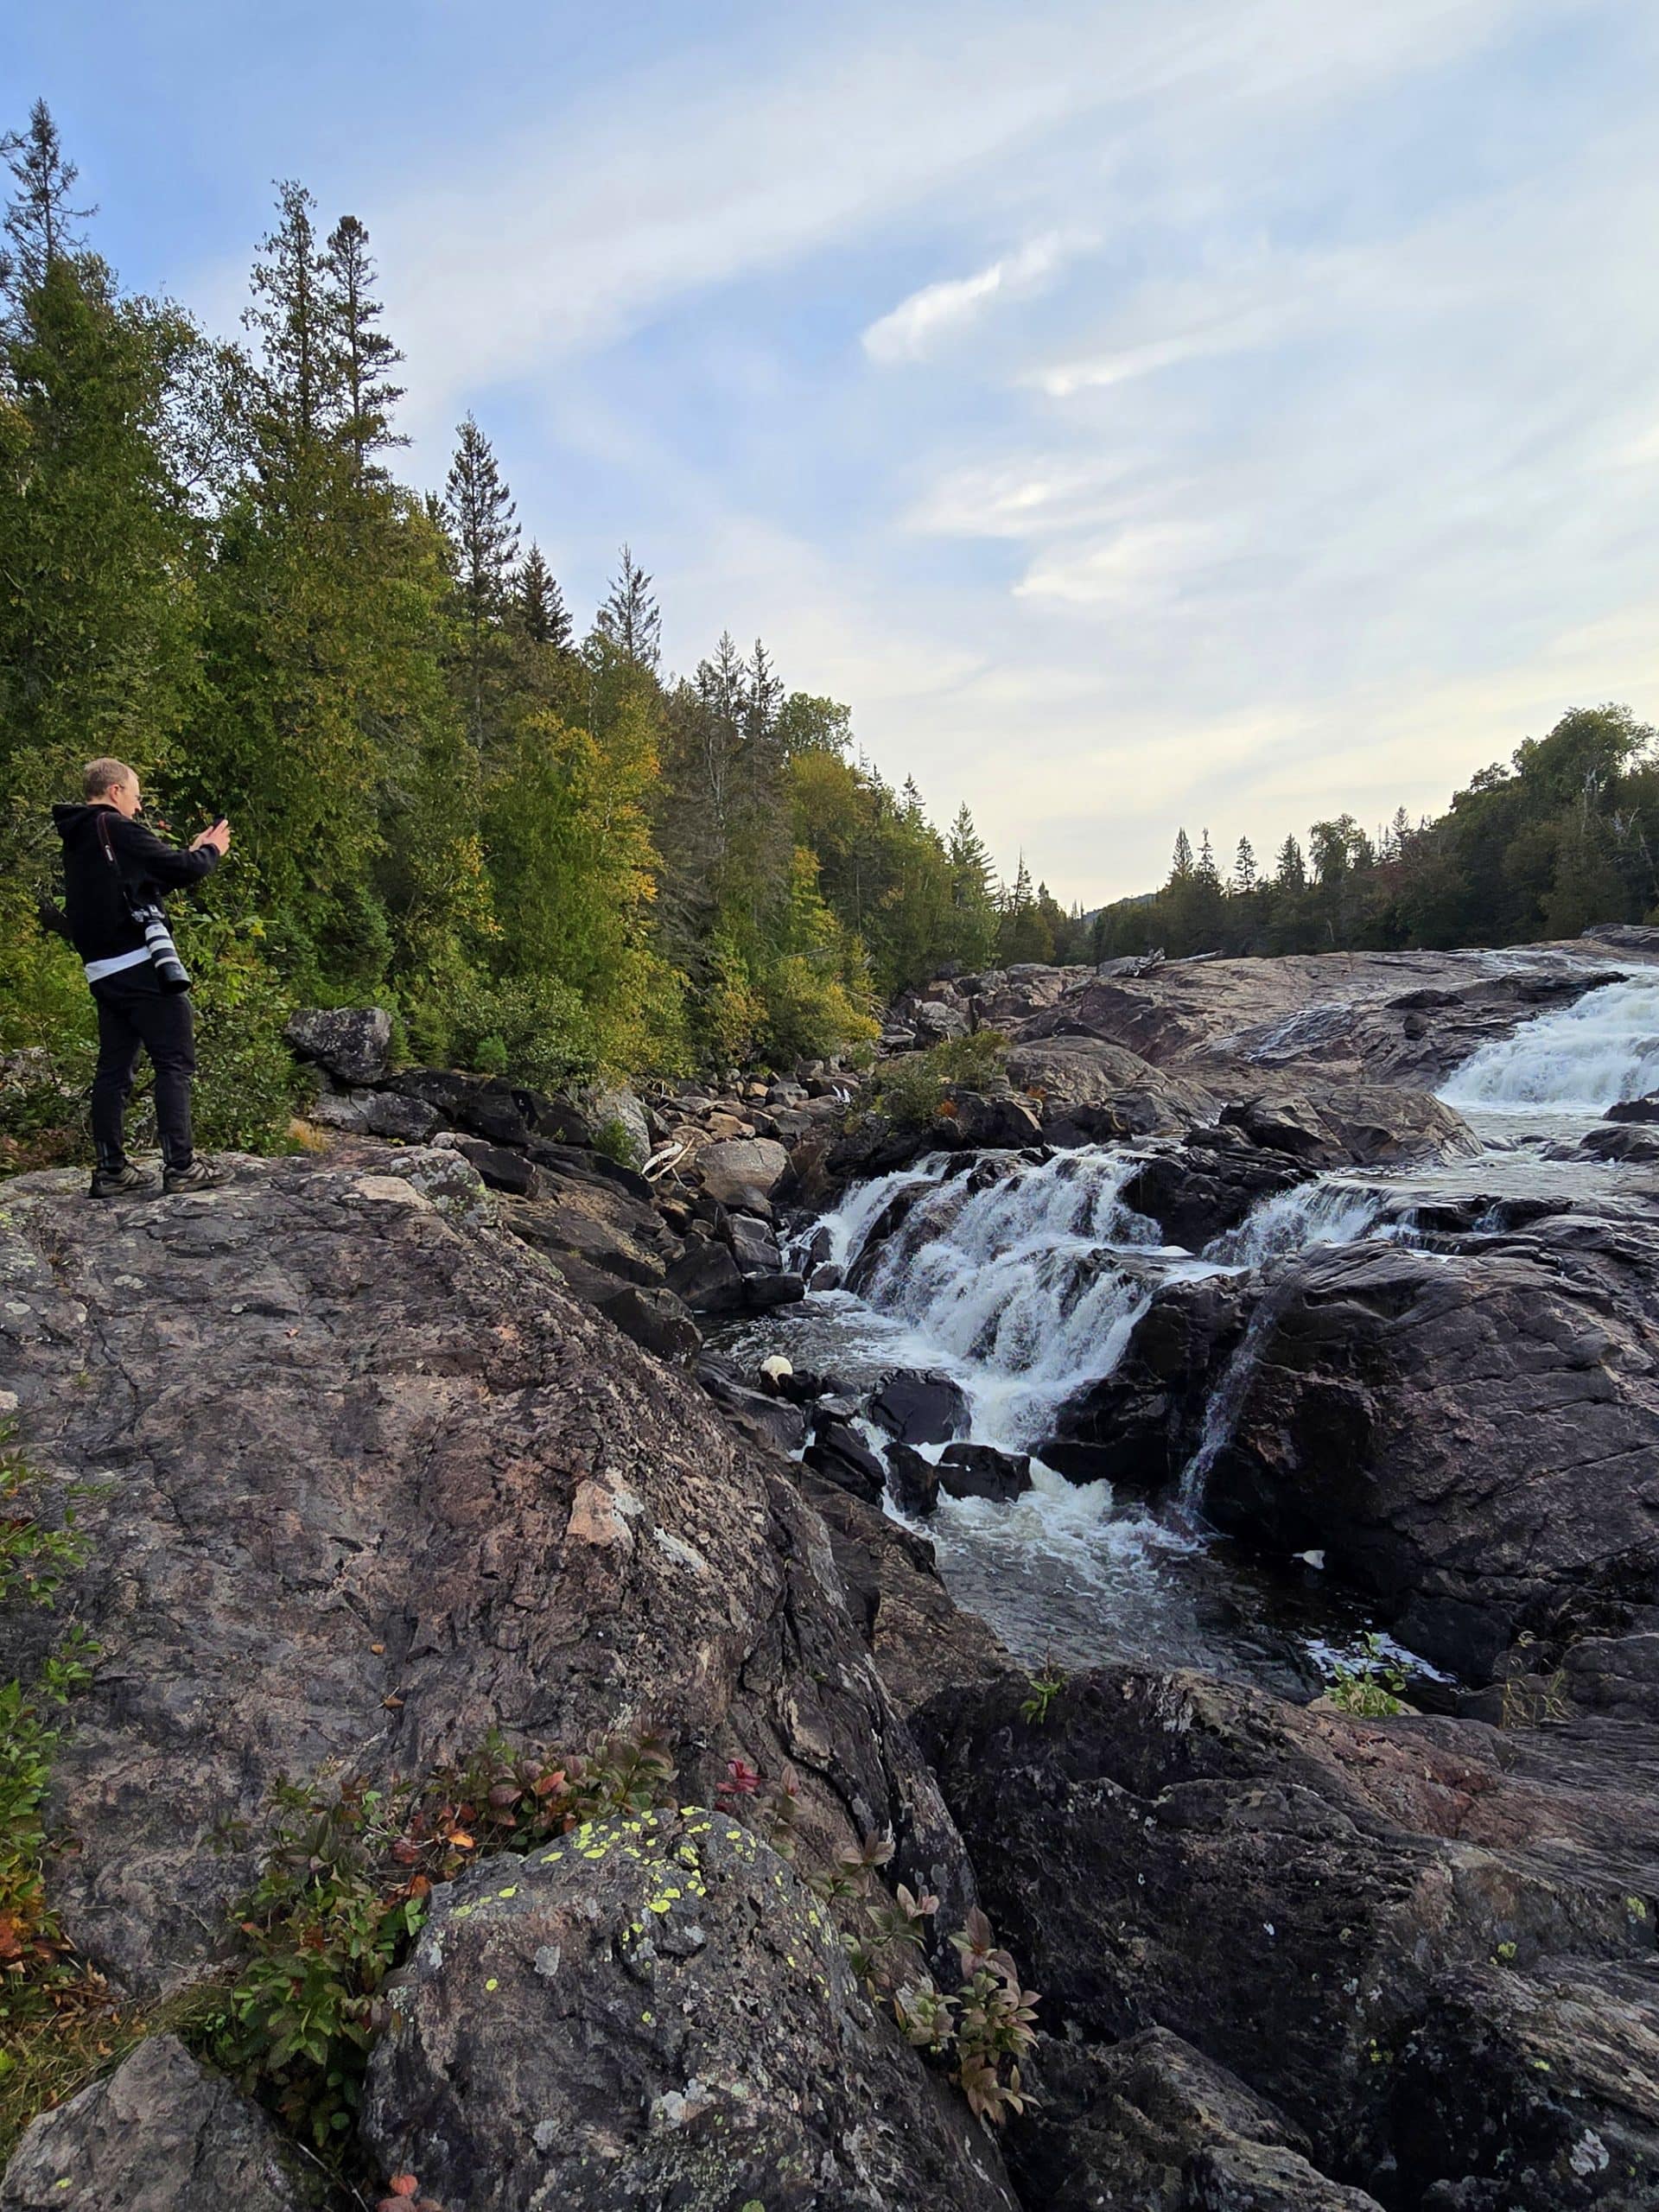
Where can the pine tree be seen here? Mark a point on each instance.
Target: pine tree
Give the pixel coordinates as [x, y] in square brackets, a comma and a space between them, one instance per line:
[973, 894]
[1244, 872]
[367, 355]
[629, 622]
[1206, 871]
[1290, 872]
[538, 604]
[1180, 865]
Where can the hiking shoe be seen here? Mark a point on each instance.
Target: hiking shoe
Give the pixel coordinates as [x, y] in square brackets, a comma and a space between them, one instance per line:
[122, 1182]
[198, 1176]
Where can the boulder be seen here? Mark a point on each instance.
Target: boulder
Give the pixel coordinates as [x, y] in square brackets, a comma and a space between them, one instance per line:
[159, 2134]
[1472, 1437]
[350, 1042]
[1091, 1092]
[840, 1455]
[913, 1480]
[614, 1108]
[753, 1246]
[1139, 1425]
[1150, 2125]
[479, 1104]
[934, 1021]
[651, 2012]
[924, 1407]
[371, 1483]
[980, 1471]
[1635, 1109]
[737, 1165]
[1426, 1943]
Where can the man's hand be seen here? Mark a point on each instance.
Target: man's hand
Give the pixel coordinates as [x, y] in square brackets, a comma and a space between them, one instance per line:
[219, 837]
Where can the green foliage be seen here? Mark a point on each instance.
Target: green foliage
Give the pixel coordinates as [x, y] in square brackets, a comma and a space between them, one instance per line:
[247, 1081]
[915, 1090]
[1045, 1685]
[536, 1028]
[1372, 1685]
[344, 1889]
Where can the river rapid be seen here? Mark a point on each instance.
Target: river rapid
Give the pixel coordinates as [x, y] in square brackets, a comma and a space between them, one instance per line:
[1023, 1278]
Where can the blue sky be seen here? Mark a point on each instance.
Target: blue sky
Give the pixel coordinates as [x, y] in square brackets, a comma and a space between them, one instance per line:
[1215, 414]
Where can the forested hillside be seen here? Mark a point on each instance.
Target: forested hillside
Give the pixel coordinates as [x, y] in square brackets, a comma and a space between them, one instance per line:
[447, 791]
[1567, 834]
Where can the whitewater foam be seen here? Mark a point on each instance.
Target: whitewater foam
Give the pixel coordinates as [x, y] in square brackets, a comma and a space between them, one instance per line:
[1578, 1059]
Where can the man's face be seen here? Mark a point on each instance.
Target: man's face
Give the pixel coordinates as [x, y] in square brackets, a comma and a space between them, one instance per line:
[124, 797]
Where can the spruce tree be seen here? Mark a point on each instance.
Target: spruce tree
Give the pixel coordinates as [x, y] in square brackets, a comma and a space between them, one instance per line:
[40, 222]
[1244, 870]
[1180, 865]
[629, 623]
[1290, 871]
[538, 606]
[366, 357]
[481, 516]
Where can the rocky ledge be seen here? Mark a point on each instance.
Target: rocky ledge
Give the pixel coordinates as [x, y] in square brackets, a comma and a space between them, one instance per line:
[368, 1482]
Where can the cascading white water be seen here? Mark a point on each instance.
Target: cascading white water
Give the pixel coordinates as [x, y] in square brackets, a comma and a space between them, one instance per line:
[1024, 1289]
[1579, 1061]
[1312, 1213]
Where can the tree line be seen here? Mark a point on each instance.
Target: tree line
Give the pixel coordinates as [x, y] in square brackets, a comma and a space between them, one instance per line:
[1563, 834]
[536, 845]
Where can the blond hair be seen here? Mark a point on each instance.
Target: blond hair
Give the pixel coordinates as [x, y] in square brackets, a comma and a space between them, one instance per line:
[100, 776]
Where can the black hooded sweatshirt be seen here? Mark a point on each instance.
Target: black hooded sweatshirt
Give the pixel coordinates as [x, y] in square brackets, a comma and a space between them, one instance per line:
[95, 895]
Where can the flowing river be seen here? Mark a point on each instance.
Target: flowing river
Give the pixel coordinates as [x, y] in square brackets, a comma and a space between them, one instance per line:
[1023, 1278]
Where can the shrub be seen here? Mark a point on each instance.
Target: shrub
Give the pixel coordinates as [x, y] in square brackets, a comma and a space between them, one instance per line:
[1372, 1685]
[912, 1089]
[344, 1890]
[535, 1029]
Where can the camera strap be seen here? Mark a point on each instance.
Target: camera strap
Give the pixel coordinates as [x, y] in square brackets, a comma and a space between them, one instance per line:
[97, 969]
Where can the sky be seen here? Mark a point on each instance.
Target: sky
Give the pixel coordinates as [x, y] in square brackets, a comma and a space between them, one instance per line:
[1216, 415]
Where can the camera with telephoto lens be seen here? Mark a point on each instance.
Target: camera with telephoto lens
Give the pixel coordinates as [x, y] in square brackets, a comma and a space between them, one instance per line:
[170, 971]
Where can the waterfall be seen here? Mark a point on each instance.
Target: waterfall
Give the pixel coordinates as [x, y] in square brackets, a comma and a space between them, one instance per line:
[1325, 1212]
[1025, 1287]
[1580, 1060]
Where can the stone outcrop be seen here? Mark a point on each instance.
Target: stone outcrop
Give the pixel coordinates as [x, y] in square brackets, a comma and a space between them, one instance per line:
[352, 1044]
[160, 2134]
[1472, 1436]
[1427, 1944]
[369, 1483]
[657, 2012]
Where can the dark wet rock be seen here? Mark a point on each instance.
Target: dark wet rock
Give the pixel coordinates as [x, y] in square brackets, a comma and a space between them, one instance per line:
[924, 1407]
[351, 1043]
[1635, 1109]
[502, 1169]
[1472, 1437]
[1208, 1185]
[973, 1121]
[825, 1278]
[479, 1104]
[376, 1113]
[708, 1279]
[913, 1480]
[159, 2134]
[371, 1483]
[980, 1471]
[654, 1317]
[1429, 1943]
[770, 1421]
[753, 1246]
[1614, 1675]
[919, 1638]
[840, 1455]
[764, 1293]
[1634, 1143]
[1150, 2125]
[1139, 1425]
[658, 2012]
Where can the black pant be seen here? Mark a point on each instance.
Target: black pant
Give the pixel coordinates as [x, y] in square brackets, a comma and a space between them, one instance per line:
[135, 1014]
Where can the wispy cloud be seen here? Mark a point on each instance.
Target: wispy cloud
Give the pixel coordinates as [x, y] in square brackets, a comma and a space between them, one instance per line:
[945, 309]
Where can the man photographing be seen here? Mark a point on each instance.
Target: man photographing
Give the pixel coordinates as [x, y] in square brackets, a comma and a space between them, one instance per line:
[115, 874]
